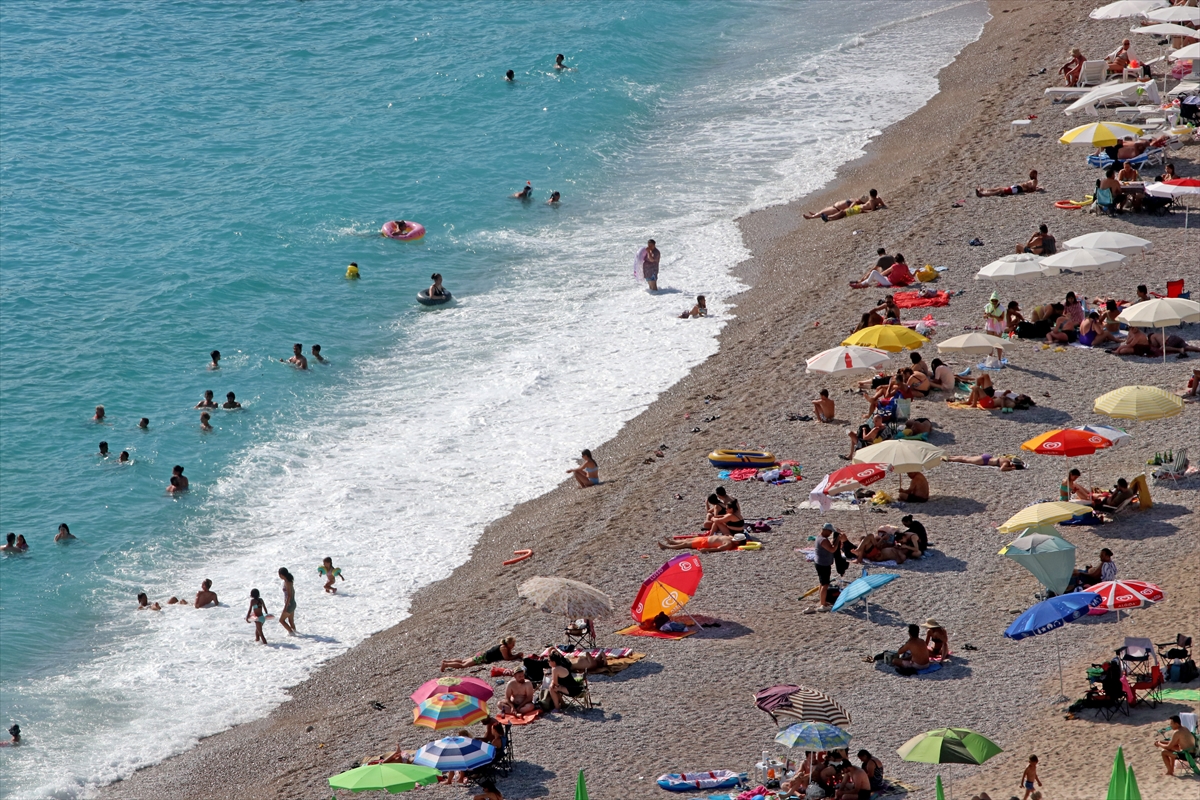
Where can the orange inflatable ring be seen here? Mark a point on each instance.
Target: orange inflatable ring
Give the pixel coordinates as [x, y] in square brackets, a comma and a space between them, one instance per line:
[521, 555]
[1068, 204]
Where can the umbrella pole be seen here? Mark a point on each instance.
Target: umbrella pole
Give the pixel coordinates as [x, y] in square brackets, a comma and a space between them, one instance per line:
[1062, 695]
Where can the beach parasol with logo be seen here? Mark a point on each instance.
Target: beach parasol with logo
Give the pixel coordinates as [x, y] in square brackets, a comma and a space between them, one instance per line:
[669, 589]
[1050, 615]
[1121, 595]
[1068, 443]
[847, 479]
[847, 361]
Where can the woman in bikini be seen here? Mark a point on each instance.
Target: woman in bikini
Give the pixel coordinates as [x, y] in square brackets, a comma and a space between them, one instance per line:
[587, 473]
[286, 617]
[1005, 463]
[731, 523]
[1071, 490]
[501, 652]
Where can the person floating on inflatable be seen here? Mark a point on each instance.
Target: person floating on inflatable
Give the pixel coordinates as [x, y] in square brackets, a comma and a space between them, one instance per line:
[352, 271]
[402, 230]
[331, 573]
[436, 294]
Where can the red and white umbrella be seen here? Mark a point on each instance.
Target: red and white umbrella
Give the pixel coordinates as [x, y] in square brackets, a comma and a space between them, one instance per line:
[847, 479]
[1117, 595]
[1177, 187]
[847, 360]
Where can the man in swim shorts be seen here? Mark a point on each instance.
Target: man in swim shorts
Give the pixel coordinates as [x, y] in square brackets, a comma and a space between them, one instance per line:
[823, 407]
[918, 489]
[650, 256]
[1026, 187]
[518, 695]
[297, 360]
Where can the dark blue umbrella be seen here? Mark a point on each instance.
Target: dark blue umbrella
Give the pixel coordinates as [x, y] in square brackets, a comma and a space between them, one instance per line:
[1049, 615]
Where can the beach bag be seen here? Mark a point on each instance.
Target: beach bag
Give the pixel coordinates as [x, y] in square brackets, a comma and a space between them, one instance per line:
[1187, 671]
[926, 274]
[543, 700]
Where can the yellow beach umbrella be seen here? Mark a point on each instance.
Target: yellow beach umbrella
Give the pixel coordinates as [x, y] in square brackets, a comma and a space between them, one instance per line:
[902, 455]
[1042, 514]
[893, 338]
[1100, 134]
[1138, 402]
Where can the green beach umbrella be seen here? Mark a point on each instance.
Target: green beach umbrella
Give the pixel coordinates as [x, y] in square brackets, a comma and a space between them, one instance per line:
[1131, 787]
[580, 788]
[1048, 556]
[949, 746]
[941, 793]
[1116, 783]
[391, 778]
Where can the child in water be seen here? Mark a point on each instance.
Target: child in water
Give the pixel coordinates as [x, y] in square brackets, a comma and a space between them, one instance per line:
[258, 610]
[331, 573]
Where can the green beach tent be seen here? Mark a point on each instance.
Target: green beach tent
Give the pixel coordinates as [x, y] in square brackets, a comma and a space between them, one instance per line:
[1049, 557]
[1116, 783]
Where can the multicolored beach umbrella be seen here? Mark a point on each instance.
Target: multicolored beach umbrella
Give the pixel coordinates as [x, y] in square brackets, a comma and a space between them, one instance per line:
[450, 710]
[455, 753]
[470, 686]
[813, 737]
[391, 778]
[669, 589]
[1066, 442]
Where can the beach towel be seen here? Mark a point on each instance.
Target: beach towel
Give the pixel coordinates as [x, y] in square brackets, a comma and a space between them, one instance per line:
[837, 505]
[743, 474]
[1181, 694]
[966, 406]
[519, 719]
[924, 437]
[634, 630]
[914, 299]
[894, 789]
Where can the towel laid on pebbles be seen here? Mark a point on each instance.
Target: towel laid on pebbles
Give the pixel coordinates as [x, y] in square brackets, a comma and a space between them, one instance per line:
[914, 299]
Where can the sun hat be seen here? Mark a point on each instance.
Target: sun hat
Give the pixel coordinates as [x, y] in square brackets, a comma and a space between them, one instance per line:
[930, 623]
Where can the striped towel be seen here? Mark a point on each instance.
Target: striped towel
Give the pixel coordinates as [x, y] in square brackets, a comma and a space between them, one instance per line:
[611, 652]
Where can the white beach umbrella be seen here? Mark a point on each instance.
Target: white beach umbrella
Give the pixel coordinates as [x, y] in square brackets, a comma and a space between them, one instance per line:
[847, 360]
[1018, 266]
[1167, 29]
[1084, 258]
[903, 455]
[1111, 240]
[1143, 91]
[1117, 436]
[1175, 14]
[1181, 187]
[1161, 313]
[1127, 8]
[975, 343]
[1191, 51]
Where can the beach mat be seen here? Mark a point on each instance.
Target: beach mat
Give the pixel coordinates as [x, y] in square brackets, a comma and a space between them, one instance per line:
[914, 300]
[518, 719]
[616, 665]
[838, 505]
[967, 406]
[1180, 694]
[634, 630]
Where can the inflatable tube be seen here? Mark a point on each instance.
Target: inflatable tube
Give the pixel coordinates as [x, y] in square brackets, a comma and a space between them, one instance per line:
[521, 555]
[415, 231]
[1068, 204]
[424, 299]
[740, 459]
[693, 781]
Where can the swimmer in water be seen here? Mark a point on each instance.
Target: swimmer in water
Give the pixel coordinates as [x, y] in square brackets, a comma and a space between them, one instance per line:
[206, 596]
[554, 198]
[402, 227]
[64, 534]
[331, 573]
[204, 421]
[144, 603]
[286, 617]
[15, 733]
[436, 290]
[297, 360]
[352, 271]
[526, 193]
[21, 544]
[257, 610]
[316, 353]
[124, 458]
[558, 62]
[144, 423]
[178, 480]
[104, 449]
[698, 310]
[10, 545]
[99, 414]
[208, 401]
[175, 600]
[216, 359]
[508, 76]
[231, 402]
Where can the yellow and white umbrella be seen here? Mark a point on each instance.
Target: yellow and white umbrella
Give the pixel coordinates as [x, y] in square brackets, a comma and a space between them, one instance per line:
[1042, 514]
[1100, 134]
[1139, 403]
[902, 455]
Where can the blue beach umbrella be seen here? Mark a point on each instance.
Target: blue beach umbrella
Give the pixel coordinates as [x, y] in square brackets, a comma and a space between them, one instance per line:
[455, 753]
[860, 588]
[817, 737]
[1050, 615]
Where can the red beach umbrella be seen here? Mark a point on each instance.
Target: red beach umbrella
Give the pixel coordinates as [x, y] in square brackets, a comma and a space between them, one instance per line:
[1126, 594]
[669, 589]
[1068, 442]
[481, 690]
[855, 476]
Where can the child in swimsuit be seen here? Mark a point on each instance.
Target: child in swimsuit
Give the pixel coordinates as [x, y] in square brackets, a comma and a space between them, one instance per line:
[257, 610]
[331, 573]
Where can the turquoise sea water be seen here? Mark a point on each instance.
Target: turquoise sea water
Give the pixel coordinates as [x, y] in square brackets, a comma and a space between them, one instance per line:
[176, 179]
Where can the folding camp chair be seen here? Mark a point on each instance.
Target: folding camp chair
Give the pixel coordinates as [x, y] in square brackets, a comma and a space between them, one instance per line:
[581, 635]
[1137, 657]
[1175, 288]
[1178, 650]
[1150, 689]
[581, 701]
[1174, 469]
[503, 761]
[1108, 707]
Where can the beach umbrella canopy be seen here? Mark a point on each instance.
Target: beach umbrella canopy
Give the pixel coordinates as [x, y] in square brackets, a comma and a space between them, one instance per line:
[574, 599]
[855, 476]
[1111, 240]
[1167, 29]
[861, 587]
[1084, 259]
[774, 698]
[391, 778]
[974, 343]
[455, 753]
[810, 705]
[1176, 14]
[902, 455]
[1099, 134]
[949, 746]
[450, 710]
[847, 361]
[1042, 514]
[1015, 267]
[1190, 51]
[1161, 312]
[1138, 402]
[1051, 614]
[1126, 594]
[669, 589]
[938, 792]
[892, 338]
[474, 687]
[1051, 559]
[1131, 786]
[1068, 442]
[814, 737]
[1116, 783]
[1127, 8]
[1115, 435]
[581, 792]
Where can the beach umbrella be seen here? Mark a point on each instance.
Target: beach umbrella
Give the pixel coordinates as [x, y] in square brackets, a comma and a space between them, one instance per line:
[1051, 614]
[669, 589]
[1042, 514]
[1176, 14]
[1131, 787]
[775, 698]
[1116, 242]
[949, 746]
[1115, 435]
[1051, 559]
[938, 792]
[847, 361]
[813, 737]
[1116, 783]
[810, 705]
[573, 599]
[1177, 187]
[1067, 442]
[1015, 267]
[902, 455]
[474, 687]
[1119, 595]
[1166, 29]
[1139, 403]
[1099, 134]
[449, 710]
[1127, 8]
[581, 787]
[1161, 312]
[893, 338]
[974, 343]
[455, 753]
[1191, 51]
[847, 479]
[859, 588]
[390, 778]
[1147, 92]
[1084, 259]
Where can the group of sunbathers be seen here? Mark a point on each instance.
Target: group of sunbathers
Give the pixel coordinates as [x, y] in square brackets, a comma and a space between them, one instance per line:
[835, 776]
[848, 208]
[723, 522]
[917, 653]
[1122, 490]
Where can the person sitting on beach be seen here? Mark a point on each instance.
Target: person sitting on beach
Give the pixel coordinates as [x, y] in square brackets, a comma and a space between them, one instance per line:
[1136, 344]
[916, 529]
[231, 402]
[1005, 463]
[936, 638]
[562, 682]
[1041, 243]
[397, 756]
[1070, 70]
[1174, 345]
[898, 274]
[1121, 492]
[208, 401]
[487, 786]
[713, 508]
[144, 603]
[1193, 385]
[64, 534]
[730, 523]
[918, 489]
[1110, 182]
[297, 360]
[1026, 187]
[698, 310]
[888, 308]
[918, 364]
[713, 543]
[869, 320]
[1182, 741]
[884, 260]
[865, 436]
[1090, 575]
[1128, 173]
[587, 473]
[823, 407]
[880, 546]
[206, 596]
[848, 208]
[1092, 332]
[913, 654]
[856, 784]
[942, 378]
[874, 769]
[518, 695]
[1013, 317]
[919, 384]
[1119, 59]
[500, 652]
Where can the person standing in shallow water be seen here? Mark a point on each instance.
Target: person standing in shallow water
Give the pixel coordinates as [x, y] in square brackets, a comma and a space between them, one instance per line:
[286, 617]
[257, 611]
[297, 360]
[647, 260]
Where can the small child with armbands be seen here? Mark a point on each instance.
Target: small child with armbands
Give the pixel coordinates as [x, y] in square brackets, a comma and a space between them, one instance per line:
[327, 569]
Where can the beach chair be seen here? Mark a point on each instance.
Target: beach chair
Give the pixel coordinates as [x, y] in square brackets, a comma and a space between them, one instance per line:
[1174, 469]
[1093, 73]
[1105, 202]
[503, 762]
[1178, 650]
[1175, 289]
[581, 636]
[1136, 655]
[581, 701]
[1108, 707]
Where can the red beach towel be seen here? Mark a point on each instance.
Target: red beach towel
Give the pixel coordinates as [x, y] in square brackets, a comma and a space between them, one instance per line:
[914, 300]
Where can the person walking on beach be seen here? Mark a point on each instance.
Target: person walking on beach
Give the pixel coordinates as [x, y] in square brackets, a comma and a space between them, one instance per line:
[647, 263]
[1029, 776]
[297, 360]
[257, 610]
[824, 564]
[287, 617]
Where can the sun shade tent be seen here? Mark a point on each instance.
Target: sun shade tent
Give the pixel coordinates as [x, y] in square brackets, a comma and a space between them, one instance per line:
[1049, 558]
[669, 589]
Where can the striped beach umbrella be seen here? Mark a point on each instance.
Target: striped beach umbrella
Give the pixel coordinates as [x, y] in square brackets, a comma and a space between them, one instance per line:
[1126, 594]
[455, 753]
[1100, 134]
[810, 705]
[1041, 514]
[450, 710]
[813, 737]
[1138, 402]
[446, 684]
